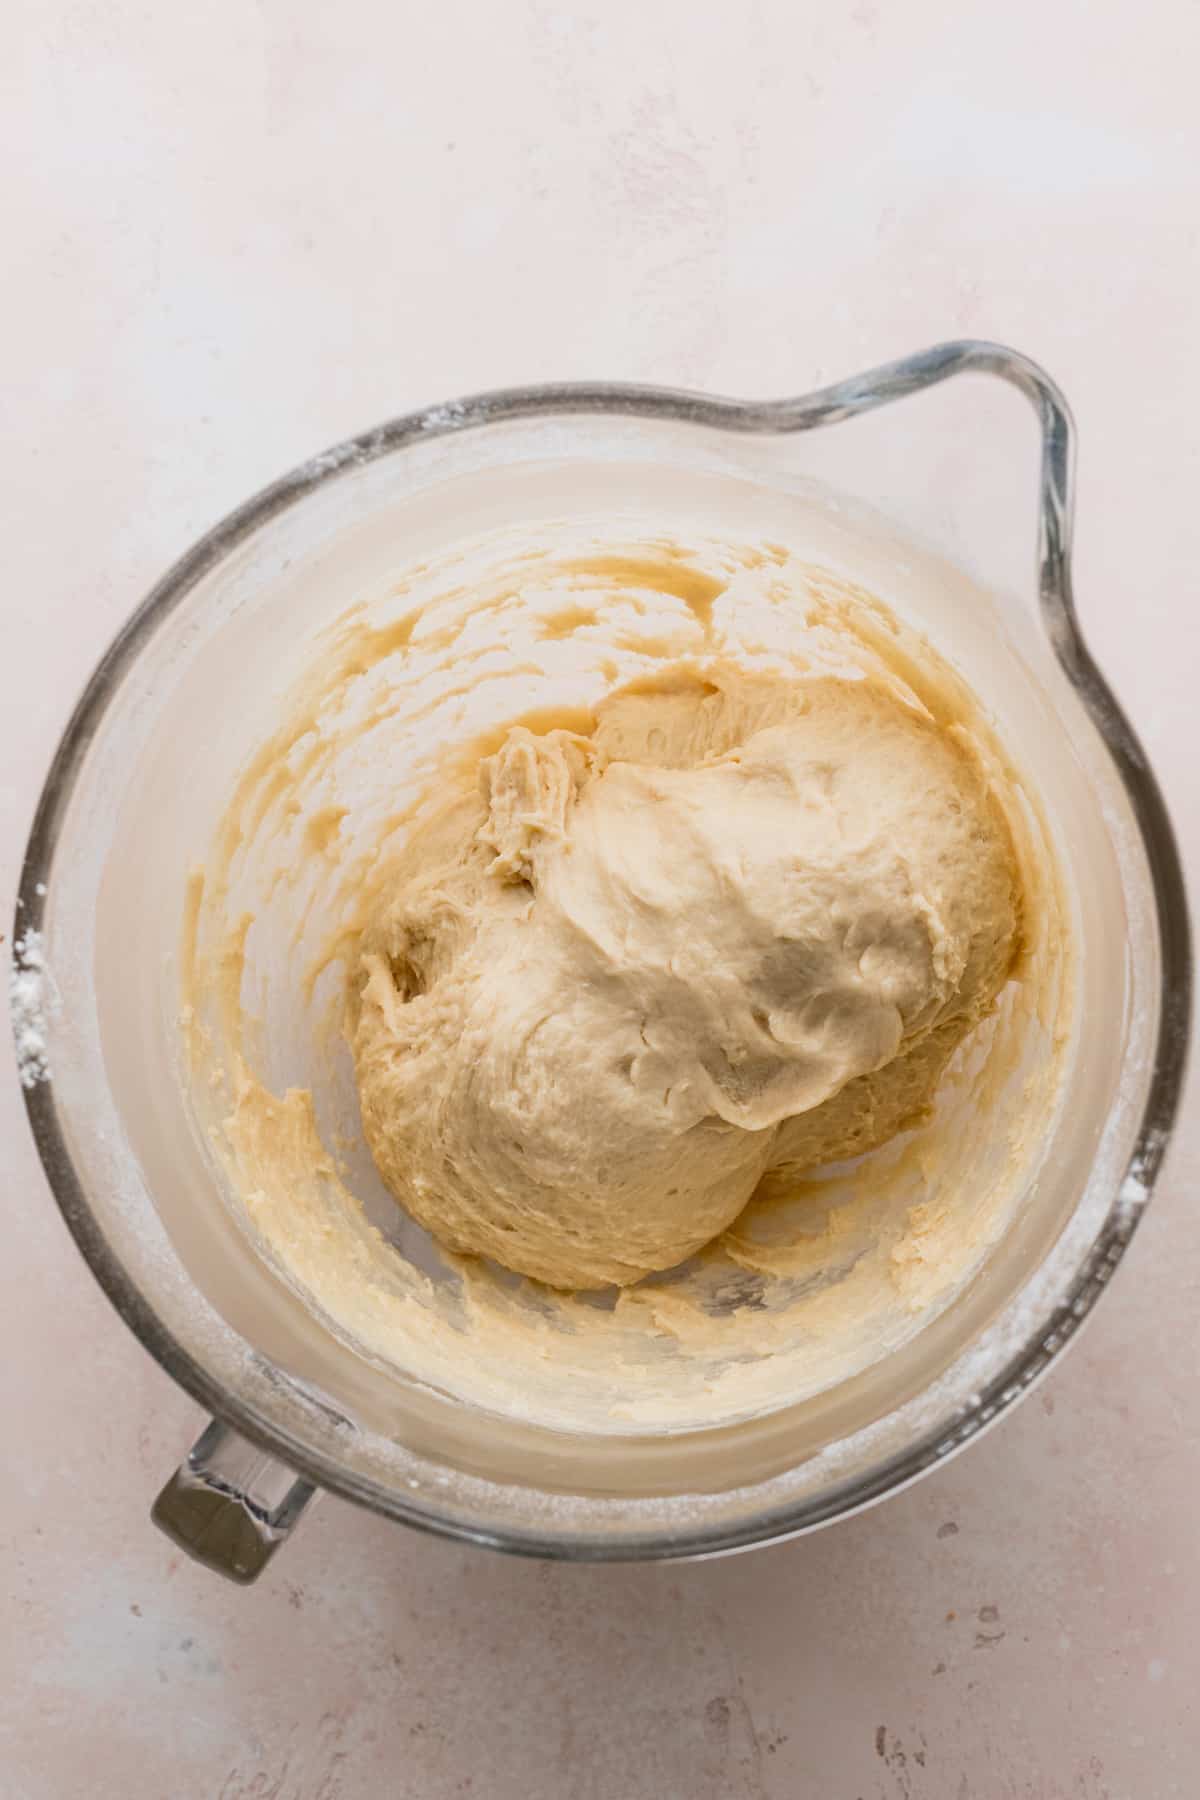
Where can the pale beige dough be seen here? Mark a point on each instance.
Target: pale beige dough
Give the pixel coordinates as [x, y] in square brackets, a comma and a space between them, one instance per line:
[618, 978]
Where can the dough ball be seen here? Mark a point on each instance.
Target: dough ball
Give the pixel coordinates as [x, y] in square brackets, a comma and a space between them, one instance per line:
[614, 979]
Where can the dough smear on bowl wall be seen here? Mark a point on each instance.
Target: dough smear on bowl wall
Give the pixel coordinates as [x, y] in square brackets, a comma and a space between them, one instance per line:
[705, 970]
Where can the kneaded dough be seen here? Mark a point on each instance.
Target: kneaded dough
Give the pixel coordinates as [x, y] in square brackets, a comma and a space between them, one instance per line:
[618, 976]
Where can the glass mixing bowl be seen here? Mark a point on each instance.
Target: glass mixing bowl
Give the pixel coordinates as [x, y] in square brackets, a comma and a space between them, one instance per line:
[186, 690]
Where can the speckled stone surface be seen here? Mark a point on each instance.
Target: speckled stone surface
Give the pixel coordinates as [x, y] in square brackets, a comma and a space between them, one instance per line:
[236, 234]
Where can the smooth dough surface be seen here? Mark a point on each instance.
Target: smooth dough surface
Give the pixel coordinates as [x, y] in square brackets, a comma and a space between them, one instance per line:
[617, 977]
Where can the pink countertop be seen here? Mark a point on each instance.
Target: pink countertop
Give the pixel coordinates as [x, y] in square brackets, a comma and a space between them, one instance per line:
[240, 233]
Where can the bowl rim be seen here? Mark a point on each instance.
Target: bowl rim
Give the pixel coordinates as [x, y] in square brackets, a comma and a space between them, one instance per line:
[825, 406]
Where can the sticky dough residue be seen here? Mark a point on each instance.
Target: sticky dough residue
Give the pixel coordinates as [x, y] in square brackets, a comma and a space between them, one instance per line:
[821, 1274]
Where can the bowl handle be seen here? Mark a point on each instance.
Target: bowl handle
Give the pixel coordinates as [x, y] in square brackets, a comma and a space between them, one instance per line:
[230, 1505]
